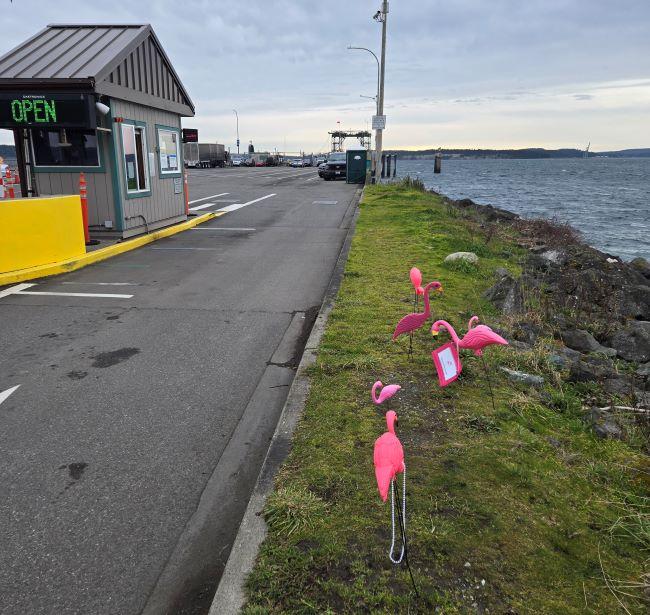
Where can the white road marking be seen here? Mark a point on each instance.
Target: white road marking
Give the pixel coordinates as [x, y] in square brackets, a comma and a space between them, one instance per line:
[53, 294]
[209, 249]
[204, 206]
[5, 394]
[324, 202]
[12, 290]
[221, 228]
[19, 289]
[101, 283]
[214, 196]
[311, 179]
[240, 205]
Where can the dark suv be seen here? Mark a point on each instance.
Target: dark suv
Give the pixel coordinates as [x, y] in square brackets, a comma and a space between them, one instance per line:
[335, 166]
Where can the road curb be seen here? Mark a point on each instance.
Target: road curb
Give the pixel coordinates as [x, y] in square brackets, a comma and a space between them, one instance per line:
[95, 256]
[230, 597]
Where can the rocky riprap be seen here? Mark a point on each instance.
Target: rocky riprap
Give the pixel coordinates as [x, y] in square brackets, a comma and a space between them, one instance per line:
[595, 305]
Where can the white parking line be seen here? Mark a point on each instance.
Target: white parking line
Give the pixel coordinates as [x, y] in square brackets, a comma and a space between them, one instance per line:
[204, 206]
[19, 289]
[214, 196]
[48, 294]
[14, 289]
[197, 249]
[5, 394]
[221, 228]
[101, 283]
[240, 205]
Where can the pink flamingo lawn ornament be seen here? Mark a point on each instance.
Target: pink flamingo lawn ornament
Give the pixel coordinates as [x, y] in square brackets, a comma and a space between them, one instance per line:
[476, 339]
[385, 394]
[389, 462]
[412, 322]
[416, 279]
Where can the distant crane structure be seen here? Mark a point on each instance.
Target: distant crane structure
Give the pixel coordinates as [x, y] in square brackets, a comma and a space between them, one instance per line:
[339, 137]
[586, 152]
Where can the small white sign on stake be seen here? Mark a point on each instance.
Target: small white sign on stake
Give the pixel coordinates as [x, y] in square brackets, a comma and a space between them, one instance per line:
[378, 122]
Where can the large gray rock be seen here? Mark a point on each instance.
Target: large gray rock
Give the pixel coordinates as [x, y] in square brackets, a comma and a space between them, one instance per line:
[633, 342]
[642, 266]
[580, 340]
[468, 257]
[507, 295]
[523, 377]
[583, 341]
[644, 370]
[591, 369]
[603, 424]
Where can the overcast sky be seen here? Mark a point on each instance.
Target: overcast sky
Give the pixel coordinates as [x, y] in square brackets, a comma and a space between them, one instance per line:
[459, 73]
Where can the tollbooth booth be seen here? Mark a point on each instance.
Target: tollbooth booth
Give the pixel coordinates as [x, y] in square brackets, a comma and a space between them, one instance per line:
[105, 100]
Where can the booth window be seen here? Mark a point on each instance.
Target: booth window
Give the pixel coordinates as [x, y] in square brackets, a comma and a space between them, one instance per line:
[65, 148]
[169, 151]
[134, 142]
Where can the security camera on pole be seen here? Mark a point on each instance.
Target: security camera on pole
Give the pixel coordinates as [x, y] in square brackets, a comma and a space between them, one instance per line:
[379, 121]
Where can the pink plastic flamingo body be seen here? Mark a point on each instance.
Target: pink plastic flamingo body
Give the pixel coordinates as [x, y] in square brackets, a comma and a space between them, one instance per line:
[475, 339]
[416, 279]
[388, 456]
[414, 321]
[386, 391]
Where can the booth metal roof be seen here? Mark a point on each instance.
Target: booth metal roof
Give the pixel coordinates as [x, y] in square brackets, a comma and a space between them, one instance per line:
[124, 61]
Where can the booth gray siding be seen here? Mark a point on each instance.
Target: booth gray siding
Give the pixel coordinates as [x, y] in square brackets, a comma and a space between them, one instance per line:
[100, 189]
[163, 206]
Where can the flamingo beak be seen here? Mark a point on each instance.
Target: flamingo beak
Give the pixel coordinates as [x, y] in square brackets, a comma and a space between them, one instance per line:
[434, 332]
[440, 289]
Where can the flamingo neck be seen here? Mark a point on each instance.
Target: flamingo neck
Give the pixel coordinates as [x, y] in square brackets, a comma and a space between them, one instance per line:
[452, 331]
[373, 391]
[390, 421]
[427, 307]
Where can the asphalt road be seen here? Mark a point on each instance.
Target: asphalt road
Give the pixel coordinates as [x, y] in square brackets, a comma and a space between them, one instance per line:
[140, 421]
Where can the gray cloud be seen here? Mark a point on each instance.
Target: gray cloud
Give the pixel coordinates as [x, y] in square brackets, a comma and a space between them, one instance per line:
[284, 58]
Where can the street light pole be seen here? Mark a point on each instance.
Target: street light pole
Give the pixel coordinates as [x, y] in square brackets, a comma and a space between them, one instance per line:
[237, 116]
[380, 102]
[374, 55]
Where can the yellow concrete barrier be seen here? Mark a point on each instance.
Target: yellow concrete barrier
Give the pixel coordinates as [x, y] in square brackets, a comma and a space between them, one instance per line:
[40, 231]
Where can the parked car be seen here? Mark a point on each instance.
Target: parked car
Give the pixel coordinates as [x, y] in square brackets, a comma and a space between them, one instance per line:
[296, 162]
[335, 167]
[321, 168]
[320, 160]
[237, 162]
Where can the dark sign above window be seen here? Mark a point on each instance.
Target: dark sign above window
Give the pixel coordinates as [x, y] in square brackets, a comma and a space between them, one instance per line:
[47, 110]
[190, 135]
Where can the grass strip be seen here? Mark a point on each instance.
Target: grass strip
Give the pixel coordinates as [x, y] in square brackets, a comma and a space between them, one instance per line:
[520, 509]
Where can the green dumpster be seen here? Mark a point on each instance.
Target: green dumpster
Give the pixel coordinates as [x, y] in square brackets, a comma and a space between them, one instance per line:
[356, 163]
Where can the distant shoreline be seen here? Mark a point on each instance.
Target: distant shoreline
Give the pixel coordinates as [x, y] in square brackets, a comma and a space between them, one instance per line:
[532, 153]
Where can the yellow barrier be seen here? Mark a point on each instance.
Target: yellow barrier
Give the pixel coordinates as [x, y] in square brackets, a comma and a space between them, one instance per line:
[40, 231]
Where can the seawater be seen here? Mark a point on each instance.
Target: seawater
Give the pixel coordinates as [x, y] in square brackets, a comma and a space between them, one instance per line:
[606, 199]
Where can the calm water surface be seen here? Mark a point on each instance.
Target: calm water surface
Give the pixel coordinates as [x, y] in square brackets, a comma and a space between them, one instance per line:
[607, 199]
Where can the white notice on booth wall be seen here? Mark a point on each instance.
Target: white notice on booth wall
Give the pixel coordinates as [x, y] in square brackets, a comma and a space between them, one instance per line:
[152, 164]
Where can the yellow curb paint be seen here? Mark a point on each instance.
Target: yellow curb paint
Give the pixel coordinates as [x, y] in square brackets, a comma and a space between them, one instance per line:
[103, 253]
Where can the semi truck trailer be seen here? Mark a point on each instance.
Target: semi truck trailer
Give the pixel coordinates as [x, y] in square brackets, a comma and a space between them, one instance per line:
[204, 155]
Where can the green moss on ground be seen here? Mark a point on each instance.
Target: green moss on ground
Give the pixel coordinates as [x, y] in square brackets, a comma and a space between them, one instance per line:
[524, 498]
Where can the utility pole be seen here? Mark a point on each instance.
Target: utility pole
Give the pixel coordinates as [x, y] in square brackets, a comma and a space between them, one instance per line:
[237, 116]
[383, 17]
